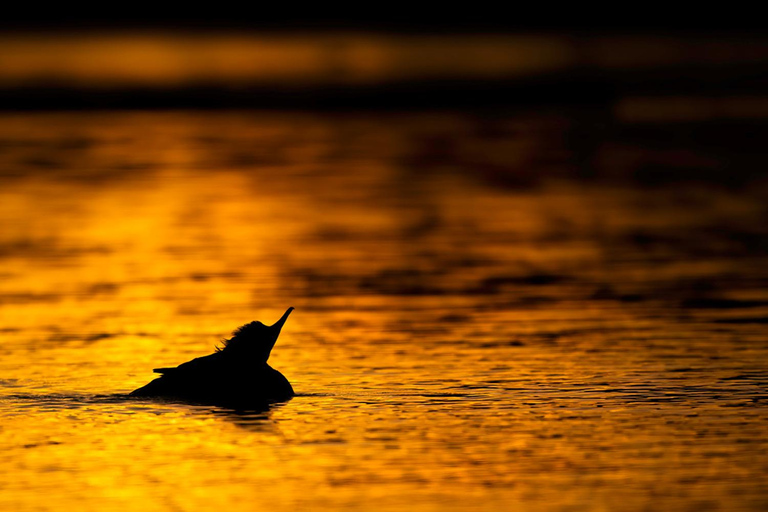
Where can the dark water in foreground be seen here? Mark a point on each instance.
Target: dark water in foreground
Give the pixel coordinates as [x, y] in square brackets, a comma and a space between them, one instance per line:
[468, 335]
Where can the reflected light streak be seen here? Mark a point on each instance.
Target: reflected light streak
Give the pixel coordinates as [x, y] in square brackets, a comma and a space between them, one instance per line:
[168, 60]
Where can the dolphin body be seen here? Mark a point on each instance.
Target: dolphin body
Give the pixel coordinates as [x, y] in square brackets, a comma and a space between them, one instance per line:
[236, 375]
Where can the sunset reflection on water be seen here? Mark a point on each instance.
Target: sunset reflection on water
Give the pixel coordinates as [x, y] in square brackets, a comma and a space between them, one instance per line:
[468, 335]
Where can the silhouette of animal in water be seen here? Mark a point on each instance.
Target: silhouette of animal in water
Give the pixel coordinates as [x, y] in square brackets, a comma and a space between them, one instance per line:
[236, 375]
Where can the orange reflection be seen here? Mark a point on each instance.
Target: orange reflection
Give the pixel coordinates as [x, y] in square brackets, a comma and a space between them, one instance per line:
[467, 336]
[166, 60]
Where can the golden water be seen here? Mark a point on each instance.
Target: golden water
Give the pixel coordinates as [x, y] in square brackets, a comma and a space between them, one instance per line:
[467, 335]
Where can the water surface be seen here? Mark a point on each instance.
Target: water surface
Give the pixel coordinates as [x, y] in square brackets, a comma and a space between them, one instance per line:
[468, 334]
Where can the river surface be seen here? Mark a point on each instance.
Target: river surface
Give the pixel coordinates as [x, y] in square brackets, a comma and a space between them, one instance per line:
[479, 325]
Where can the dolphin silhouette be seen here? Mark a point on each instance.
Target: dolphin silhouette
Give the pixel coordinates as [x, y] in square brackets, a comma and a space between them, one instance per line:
[236, 375]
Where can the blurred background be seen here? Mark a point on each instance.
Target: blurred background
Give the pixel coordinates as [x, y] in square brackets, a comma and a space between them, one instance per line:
[528, 260]
[635, 98]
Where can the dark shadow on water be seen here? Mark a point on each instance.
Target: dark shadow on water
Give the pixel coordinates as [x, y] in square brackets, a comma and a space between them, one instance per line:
[255, 417]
